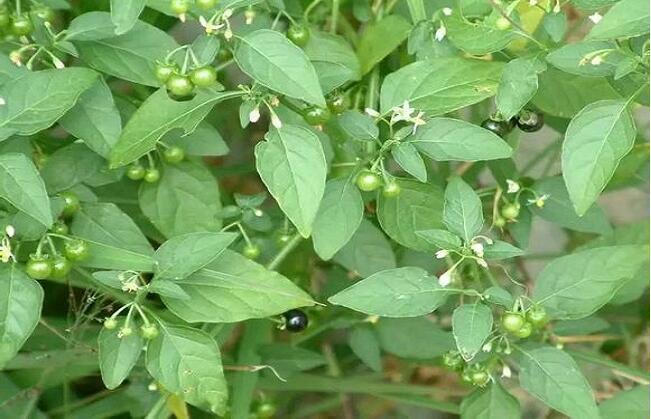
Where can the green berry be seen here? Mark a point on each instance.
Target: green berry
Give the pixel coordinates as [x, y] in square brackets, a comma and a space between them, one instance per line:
[179, 85]
[537, 316]
[512, 322]
[38, 267]
[368, 181]
[75, 250]
[179, 7]
[125, 331]
[205, 4]
[61, 267]
[71, 204]
[149, 331]
[165, 71]
[315, 115]
[136, 172]
[110, 323]
[266, 410]
[510, 211]
[453, 360]
[391, 190]
[251, 251]
[60, 228]
[203, 76]
[499, 222]
[21, 25]
[152, 175]
[299, 35]
[338, 103]
[479, 377]
[174, 154]
[525, 331]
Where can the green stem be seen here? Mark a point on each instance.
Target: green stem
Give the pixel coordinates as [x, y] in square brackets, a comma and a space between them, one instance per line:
[416, 10]
[285, 251]
[334, 16]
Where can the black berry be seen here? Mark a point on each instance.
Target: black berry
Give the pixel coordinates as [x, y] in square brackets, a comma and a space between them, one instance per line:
[295, 320]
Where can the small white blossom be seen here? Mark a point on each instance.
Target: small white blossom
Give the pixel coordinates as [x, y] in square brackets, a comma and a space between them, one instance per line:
[227, 13]
[595, 17]
[557, 7]
[372, 112]
[488, 346]
[152, 387]
[228, 34]
[16, 58]
[402, 113]
[2, 101]
[506, 371]
[539, 201]
[276, 122]
[258, 212]
[446, 278]
[274, 101]
[442, 254]
[417, 121]
[182, 17]
[209, 25]
[254, 115]
[5, 251]
[481, 262]
[597, 59]
[10, 230]
[58, 63]
[447, 11]
[440, 33]
[512, 186]
[130, 286]
[478, 249]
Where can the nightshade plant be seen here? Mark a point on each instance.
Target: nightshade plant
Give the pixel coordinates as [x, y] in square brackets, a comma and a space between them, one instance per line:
[293, 208]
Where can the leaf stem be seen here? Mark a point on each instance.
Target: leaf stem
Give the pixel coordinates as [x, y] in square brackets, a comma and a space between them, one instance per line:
[284, 252]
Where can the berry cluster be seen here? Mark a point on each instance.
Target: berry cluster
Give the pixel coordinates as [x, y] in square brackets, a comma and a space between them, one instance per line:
[150, 174]
[527, 121]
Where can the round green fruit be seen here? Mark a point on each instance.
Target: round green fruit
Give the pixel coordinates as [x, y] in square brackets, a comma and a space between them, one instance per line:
[71, 204]
[203, 76]
[174, 154]
[510, 211]
[179, 85]
[75, 250]
[315, 115]
[299, 35]
[61, 267]
[525, 331]
[152, 175]
[136, 172]
[512, 322]
[21, 25]
[251, 251]
[38, 267]
[368, 181]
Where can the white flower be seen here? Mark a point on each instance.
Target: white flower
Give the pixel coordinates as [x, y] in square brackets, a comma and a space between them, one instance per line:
[481, 262]
[16, 57]
[274, 101]
[227, 13]
[595, 17]
[506, 371]
[130, 286]
[58, 63]
[372, 112]
[276, 122]
[402, 113]
[258, 212]
[446, 278]
[2, 101]
[512, 186]
[539, 201]
[254, 115]
[478, 249]
[557, 7]
[488, 346]
[182, 18]
[10, 230]
[440, 33]
[5, 251]
[533, 2]
[209, 25]
[442, 254]
[228, 34]
[597, 59]
[417, 121]
[152, 387]
[447, 11]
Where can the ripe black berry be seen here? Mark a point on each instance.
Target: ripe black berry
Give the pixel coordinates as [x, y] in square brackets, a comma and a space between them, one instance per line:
[529, 121]
[500, 128]
[295, 320]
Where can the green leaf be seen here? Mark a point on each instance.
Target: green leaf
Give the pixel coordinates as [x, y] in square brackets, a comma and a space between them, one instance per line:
[131, 56]
[416, 338]
[90, 26]
[272, 60]
[364, 343]
[440, 86]
[292, 165]
[500, 296]
[289, 359]
[440, 239]
[22, 187]
[167, 289]
[117, 355]
[333, 59]
[500, 250]
[114, 240]
[626, 19]
[125, 13]
[576, 58]
[186, 199]
[183, 255]
[401, 292]
[38, 99]
[462, 210]
[476, 38]
[418, 207]
[633, 403]
[406, 155]
[379, 39]
[355, 125]
[596, 140]
[21, 300]
[205, 140]
[559, 210]
[157, 116]
[70, 166]
[205, 47]
[518, 85]
[338, 218]
[552, 376]
[493, 402]
[577, 285]
[445, 139]
[471, 325]
[232, 288]
[95, 119]
[187, 362]
[564, 95]
[367, 252]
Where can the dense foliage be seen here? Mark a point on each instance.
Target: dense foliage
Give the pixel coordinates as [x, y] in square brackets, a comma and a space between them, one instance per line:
[326, 208]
